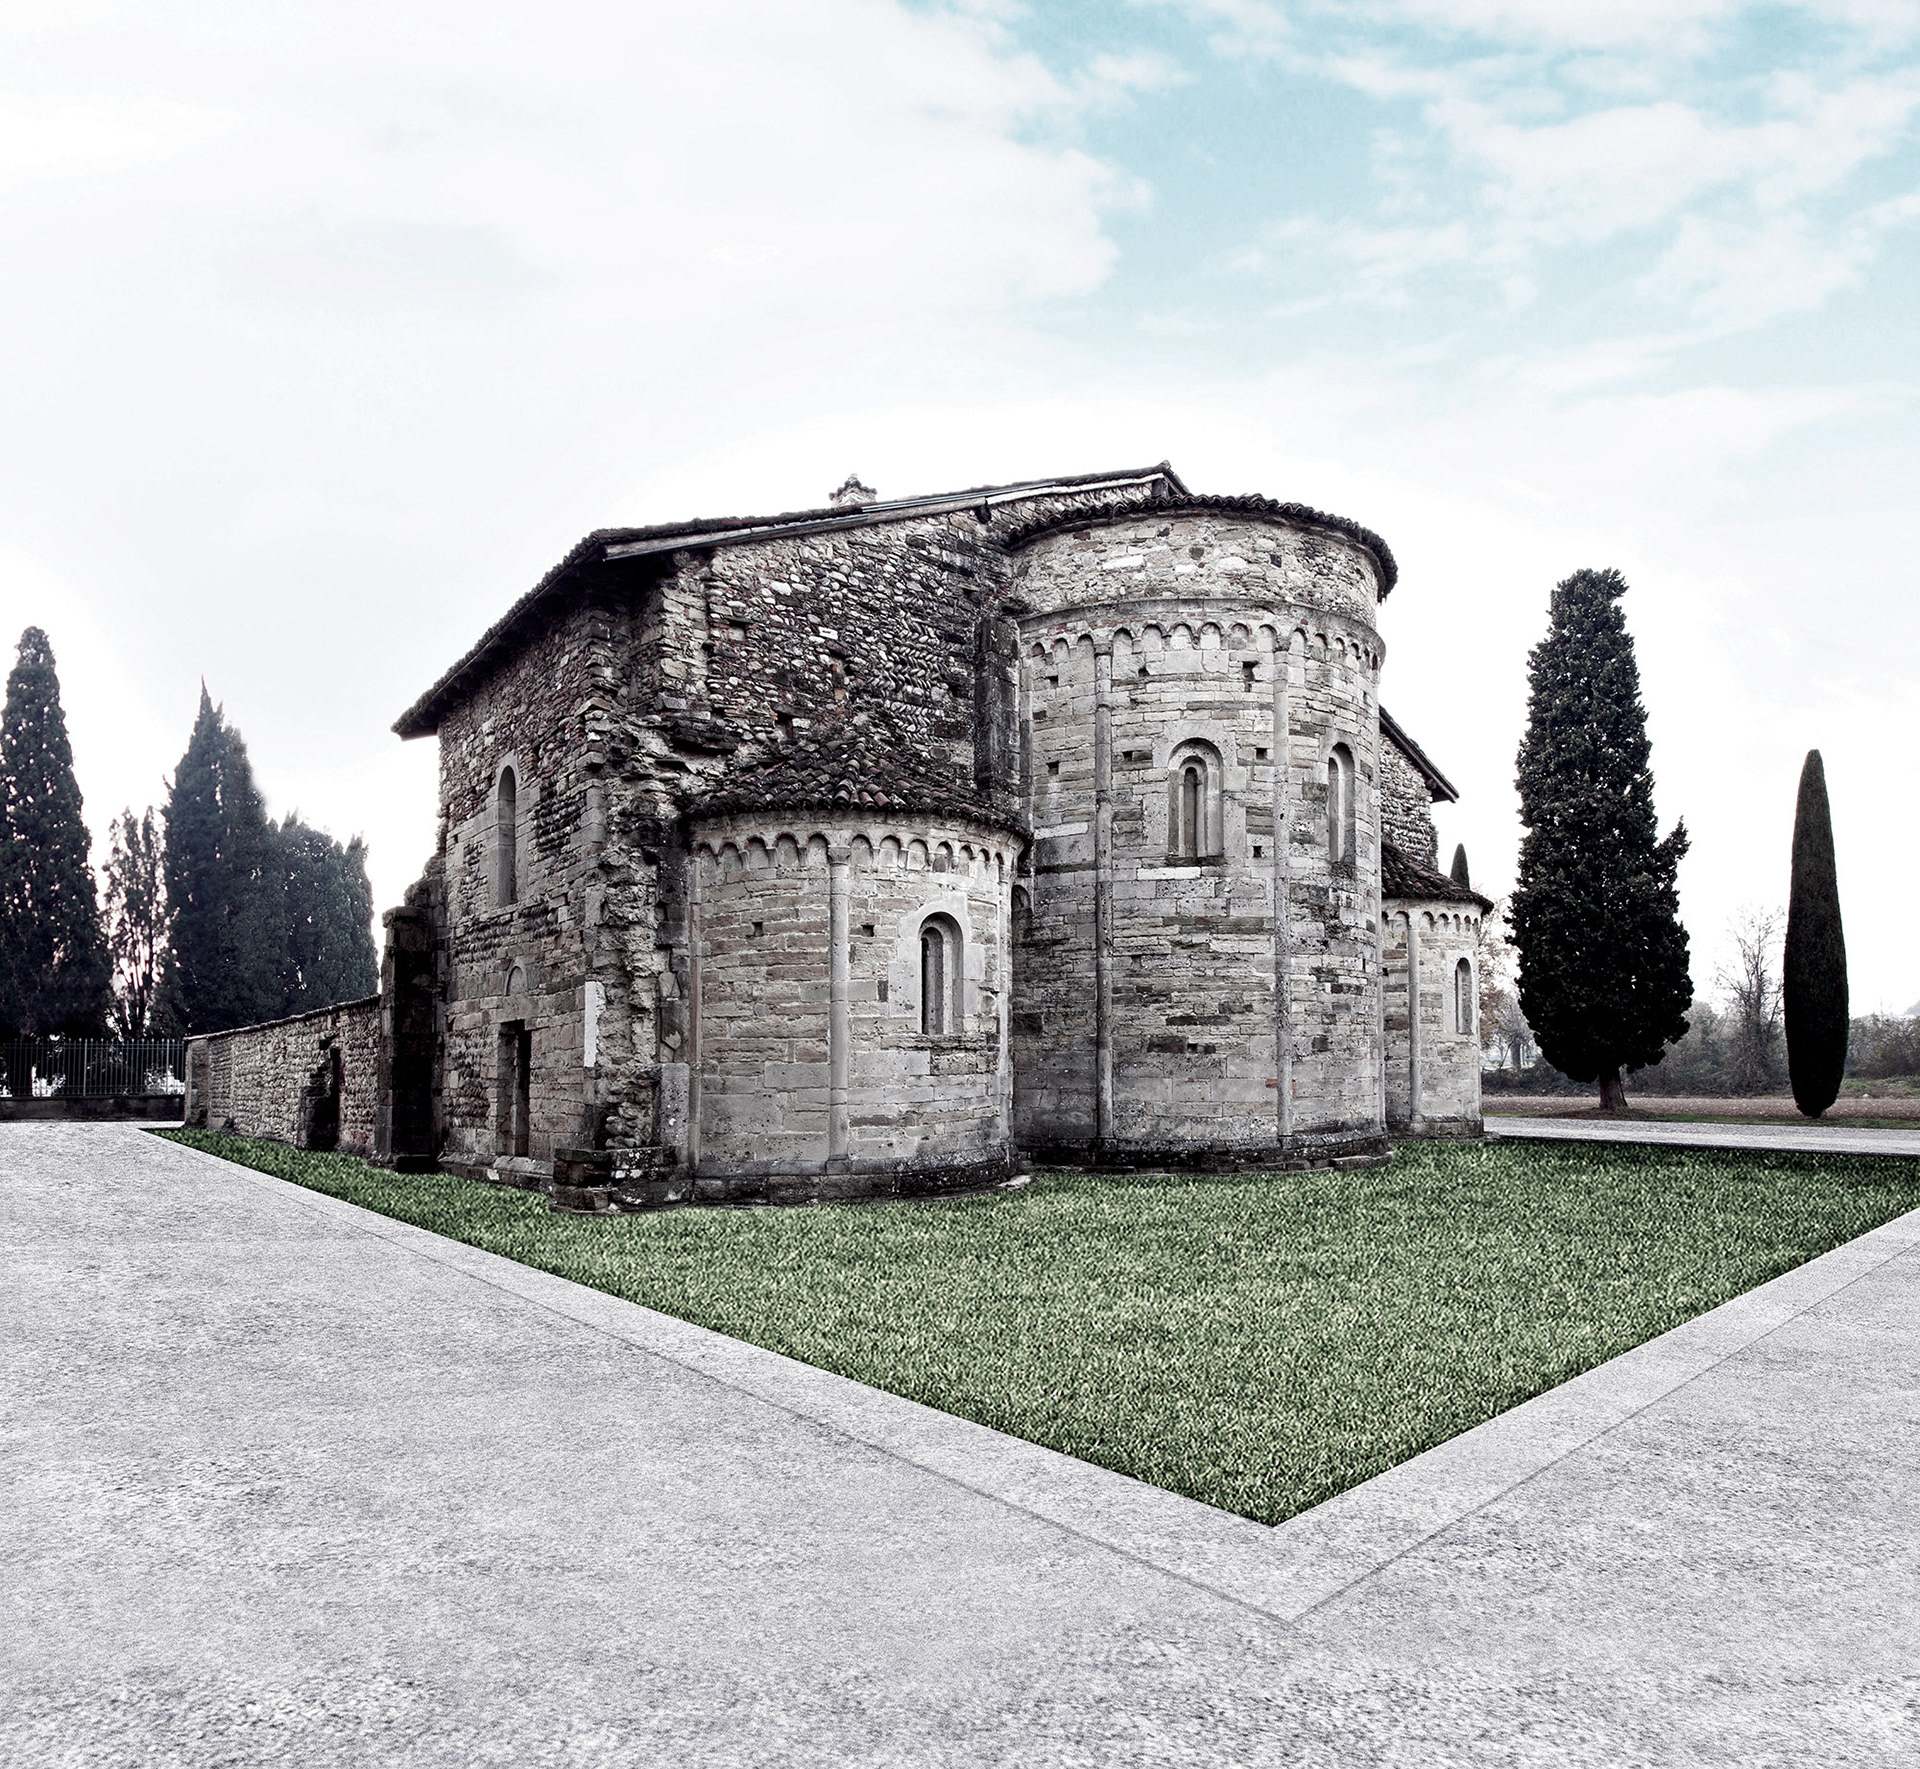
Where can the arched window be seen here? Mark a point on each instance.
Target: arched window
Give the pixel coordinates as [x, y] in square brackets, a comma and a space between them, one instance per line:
[1340, 805]
[939, 976]
[1463, 997]
[506, 826]
[1193, 803]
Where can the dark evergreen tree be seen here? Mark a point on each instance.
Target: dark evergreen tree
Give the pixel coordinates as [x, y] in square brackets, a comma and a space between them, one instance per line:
[1459, 873]
[226, 896]
[1596, 913]
[330, 955]
[136, 922]
[1814, 973]
[53, 955]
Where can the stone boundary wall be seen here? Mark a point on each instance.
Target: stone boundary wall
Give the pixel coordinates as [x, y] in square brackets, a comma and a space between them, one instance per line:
[149, 1108]
[274, 1079]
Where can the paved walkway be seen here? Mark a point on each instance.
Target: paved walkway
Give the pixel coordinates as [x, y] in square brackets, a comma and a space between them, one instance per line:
[1808, 1139]
[287, 1483]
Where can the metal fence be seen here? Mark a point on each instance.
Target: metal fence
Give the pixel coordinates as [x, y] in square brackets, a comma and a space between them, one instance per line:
[91, 1068]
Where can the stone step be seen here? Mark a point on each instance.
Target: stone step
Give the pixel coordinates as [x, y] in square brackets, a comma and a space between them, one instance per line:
[616, 1182]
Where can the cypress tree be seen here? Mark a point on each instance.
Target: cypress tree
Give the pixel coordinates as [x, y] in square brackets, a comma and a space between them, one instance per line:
[226, 898]
[1459, 873]
[330, 955]
[1596, 912]
[1813, 982]
[53, 955]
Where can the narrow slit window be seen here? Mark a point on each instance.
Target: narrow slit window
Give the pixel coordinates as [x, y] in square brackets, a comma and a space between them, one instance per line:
[507, 836]
[933, 980]
[1195, 815]
[1340, 805]
[1463, 997]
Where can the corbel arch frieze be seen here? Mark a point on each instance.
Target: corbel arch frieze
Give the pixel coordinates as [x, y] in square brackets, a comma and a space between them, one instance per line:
[732, 851]
[1048, 641]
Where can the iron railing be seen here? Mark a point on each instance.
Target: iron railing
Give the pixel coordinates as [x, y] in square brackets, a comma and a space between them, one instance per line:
[91, 1068]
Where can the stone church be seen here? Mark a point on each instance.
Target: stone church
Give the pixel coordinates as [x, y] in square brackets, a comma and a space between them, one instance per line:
[875, 849]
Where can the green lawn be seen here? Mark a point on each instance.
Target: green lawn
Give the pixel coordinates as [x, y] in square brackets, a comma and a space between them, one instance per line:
[1259, 1342]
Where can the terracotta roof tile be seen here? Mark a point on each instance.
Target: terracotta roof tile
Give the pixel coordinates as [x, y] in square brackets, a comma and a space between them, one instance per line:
[1407, 880]
[858, 762]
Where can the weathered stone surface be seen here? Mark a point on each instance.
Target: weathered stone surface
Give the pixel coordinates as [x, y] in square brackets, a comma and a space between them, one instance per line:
[268, 1080]
[703, 791]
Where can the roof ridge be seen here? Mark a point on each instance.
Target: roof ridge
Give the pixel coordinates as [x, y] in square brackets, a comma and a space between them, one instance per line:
[610, 544]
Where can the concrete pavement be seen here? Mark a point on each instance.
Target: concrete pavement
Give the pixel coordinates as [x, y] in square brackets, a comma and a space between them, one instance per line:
[1802, 1138]
[288, 1483]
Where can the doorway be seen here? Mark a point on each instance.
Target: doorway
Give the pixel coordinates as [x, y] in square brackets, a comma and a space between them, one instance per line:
[516, 1088]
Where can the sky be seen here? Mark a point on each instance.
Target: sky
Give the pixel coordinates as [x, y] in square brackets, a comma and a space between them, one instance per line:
[325, 331]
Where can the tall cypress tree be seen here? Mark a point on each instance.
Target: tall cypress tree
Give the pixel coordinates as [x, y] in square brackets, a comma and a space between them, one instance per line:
[1813, 984]
[226, 898]
[1458, 872]
[53, 955]
[1596, 912]
[330, 955]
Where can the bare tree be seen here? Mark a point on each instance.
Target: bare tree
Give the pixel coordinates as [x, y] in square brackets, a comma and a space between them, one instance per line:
[1503, 1028]
[1754, 1040]
[136, 921]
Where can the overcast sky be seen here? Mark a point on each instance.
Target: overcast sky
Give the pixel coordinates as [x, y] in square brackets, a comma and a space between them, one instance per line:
[326, 330]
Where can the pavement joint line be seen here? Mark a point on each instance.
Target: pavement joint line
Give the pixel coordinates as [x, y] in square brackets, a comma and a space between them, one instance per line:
[1903, 1246]
[1252, 1573]
[1903, 1234]
[436, 1247]
[1749, 1136]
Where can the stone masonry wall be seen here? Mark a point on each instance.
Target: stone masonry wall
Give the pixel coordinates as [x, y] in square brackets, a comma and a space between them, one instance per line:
[928, 1109]
[1407, 805]
[1434, 1089]
[529, 963]
[257, 1079]
[651, 684]
[1148, 642]
[654, 678]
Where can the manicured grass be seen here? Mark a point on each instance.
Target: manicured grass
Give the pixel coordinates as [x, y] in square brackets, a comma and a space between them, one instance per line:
[1259, 1342]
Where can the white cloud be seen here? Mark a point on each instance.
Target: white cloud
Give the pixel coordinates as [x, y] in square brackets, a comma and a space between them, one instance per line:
[1581, 126]
[75, 136]
[329, 329]
[1676, 26]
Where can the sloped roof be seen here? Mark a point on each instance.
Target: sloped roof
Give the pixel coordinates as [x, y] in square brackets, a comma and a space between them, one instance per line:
[1408, 880]
[857, 762]
[611, 545]
[1247, 504]
[1437, 783]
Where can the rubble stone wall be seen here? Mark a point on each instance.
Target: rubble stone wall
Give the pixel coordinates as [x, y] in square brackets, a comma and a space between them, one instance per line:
[528, 963]
[1407, 805]
[264, 1080]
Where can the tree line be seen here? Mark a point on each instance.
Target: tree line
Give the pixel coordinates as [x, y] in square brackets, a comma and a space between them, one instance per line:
[214, 915]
